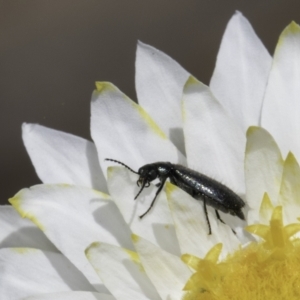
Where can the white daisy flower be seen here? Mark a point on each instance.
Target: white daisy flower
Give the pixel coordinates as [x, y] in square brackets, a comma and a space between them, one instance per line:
[80, 235]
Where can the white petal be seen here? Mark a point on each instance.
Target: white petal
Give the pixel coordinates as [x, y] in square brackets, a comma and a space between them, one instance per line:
[241, 72]
[121, 272]
[159, 81]
[72, 218]
[18, 232]
[192, 228]
[124, 131]
[290, 190]
[167, 272]
[214, 144]
[157, 226]
[281, 110]
[263, 170]
[26, 272]
[72, 296]
[59, 157]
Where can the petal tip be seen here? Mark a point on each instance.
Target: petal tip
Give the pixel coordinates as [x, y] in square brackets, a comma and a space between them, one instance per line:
[238, 18]
[135, 238]
[141, 44]
[16, 200]
[103, 86]
[27, 127]
[191, 81]
[291, 159]
[251, 130]
[110, 172]
[88, 250]
[291, 30]
[237, 13]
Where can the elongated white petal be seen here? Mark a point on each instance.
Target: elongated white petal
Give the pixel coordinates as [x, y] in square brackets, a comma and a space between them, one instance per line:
[72, 218]
[157, 226]
[241, 72]
[18, 232]
[72, 296]
[121, 272]
[214, 144]
[263, 170]
[26, 272]
[281, 110]
[59, 157]
[159, 82]
[290, 190]
[124, 131]
[192, 228]
[167, 272]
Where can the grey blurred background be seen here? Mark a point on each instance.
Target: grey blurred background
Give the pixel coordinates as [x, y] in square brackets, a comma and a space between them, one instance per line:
[52, 52]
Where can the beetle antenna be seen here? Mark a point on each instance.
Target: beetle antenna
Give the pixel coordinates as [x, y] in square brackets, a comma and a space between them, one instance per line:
[118, 162]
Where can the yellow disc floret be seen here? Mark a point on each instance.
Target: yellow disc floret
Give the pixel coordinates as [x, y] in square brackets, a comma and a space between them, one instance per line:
[269, 269]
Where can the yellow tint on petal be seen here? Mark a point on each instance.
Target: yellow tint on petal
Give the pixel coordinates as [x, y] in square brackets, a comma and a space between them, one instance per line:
[188, 87]
[135, 238]
[150, 122]
[266, 208]
[91, 246]
[290, 187]
[17, 202]
[263, 270]
[263, 169]
[169, 188]
[104, 86]
[133, 256]
[23, 250]
[107, 87]
[291, 30]
[191, 80]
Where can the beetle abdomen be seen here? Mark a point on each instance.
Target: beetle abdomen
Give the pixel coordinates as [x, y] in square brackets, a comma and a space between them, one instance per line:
[216, 194]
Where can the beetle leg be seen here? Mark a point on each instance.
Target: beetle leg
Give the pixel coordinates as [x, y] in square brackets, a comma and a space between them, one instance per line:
[156, 194]
[218, 217]
[206, 215]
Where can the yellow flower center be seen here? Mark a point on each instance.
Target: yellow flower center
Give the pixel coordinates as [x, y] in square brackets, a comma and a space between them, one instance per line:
[269, 269]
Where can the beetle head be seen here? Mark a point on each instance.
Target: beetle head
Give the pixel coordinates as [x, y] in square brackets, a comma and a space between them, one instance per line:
[147, 174]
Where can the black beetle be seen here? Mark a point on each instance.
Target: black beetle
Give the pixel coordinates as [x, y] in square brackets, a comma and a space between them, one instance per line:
[199, 186]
